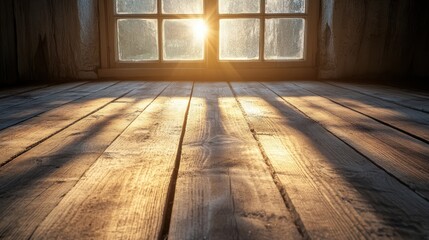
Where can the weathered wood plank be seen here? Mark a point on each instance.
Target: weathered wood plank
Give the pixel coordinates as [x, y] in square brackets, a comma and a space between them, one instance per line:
[417, 102]
[20, 113]
[413, 122]
[34, 183]
[7, 92]
[398, 153]
[123, 195]
[26, 97]
[337, 193]
[17, 139]
[224, 188]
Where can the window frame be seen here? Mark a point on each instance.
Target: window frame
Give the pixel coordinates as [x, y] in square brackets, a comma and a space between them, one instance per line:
[211, 66]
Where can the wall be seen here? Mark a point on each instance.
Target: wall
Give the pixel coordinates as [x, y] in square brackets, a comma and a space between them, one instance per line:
[89, 58]
[48, 40]
[368, 39]
[8, 64]
[51, 40]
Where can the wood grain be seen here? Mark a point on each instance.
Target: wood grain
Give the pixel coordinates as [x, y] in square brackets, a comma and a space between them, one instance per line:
[337, 193]
[123, 195]
[414, 101]
[7, 92]
[17, 139]
[22, 112]
[280, 160]
[224, 189]
[413, 122]
[34, 183]
[30, 96]
[397, 153]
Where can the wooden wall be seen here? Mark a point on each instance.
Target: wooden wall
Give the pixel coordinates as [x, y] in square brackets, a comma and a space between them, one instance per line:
[48, 40]
[8, 61]
[89, 55]
[51, 40]
[374, 39]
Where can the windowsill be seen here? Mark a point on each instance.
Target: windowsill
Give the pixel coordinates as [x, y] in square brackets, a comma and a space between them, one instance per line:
[170, 74]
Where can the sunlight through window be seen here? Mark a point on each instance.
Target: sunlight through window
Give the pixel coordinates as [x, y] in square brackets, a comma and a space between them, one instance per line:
[200, 30]
[265, 32]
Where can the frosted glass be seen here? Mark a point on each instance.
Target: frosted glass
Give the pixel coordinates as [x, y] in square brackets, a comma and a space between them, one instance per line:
[284, 38]
[135, 6]
[285, 6]
[137, 39]
[239, 6]
[239, 39]
[182, 6]
[182, 40]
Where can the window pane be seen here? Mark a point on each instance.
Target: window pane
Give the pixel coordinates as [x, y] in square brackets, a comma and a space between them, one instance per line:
[182, 6]
[239, 39]
[137, 39]
[135, 6]
[284, 38]
[183, 39]
[239, 6]
[285, 6]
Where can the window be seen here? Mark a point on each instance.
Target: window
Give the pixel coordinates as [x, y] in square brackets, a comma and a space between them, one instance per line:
[262, 27]
[145, 32]
[213, 36]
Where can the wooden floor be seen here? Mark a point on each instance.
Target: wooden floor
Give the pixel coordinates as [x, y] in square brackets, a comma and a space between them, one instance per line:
[183, 160]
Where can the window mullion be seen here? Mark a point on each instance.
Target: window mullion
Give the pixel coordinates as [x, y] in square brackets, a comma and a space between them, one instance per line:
[262, 31]
[212, 20]
[160, 30]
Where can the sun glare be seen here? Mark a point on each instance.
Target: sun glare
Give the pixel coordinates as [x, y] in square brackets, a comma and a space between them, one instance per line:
[200, 30]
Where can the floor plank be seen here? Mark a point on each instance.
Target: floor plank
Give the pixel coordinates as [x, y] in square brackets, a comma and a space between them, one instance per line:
[34, 183]
[123, 195]
[36, 94]
[397, 153]
[22, 112]
[18, 139]
[410, 121]
[335, 191]
[418, 102]
[7, 92]
[224, 189]
[295, 160]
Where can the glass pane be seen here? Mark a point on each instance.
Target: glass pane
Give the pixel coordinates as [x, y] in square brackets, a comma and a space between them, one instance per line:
[284, 38]
[184, 39]
[239, 39]
[285, 6]
[135, 6]
[182, 6]
[137, 39]
[239, 6]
